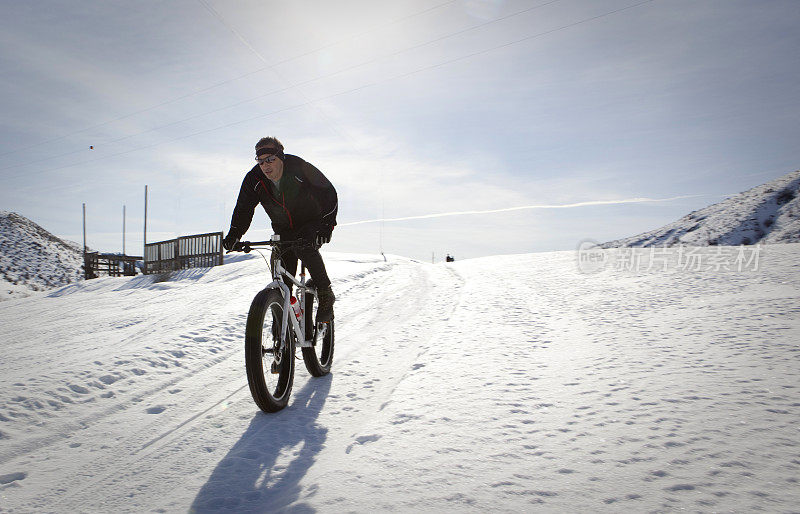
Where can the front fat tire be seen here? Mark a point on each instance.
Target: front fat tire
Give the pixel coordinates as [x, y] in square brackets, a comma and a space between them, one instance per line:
[318, 359]
[269, 397]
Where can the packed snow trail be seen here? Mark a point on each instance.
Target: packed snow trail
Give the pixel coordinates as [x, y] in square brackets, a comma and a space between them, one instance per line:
[503, 383]
[182, 371]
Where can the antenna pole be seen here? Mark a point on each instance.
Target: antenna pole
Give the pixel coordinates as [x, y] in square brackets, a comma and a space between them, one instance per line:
[123, 230]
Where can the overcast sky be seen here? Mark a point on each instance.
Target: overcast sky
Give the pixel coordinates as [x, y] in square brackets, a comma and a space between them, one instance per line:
[411, 108]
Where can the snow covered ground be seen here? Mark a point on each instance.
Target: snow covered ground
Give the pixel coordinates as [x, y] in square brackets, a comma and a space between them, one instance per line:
[510, 383]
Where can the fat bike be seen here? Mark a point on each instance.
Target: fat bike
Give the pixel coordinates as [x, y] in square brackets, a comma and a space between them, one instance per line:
[278, 323]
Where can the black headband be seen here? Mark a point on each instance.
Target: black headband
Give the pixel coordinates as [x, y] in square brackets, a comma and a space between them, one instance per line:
[269, 151]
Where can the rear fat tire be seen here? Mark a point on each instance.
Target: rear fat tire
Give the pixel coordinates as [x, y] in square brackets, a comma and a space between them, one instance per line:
[318, 358]
[270, 391]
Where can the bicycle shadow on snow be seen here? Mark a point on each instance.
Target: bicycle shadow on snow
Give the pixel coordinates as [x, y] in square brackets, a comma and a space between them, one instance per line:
[248, 480]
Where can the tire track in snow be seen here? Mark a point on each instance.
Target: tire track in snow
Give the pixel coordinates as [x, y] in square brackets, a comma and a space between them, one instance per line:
[359, 281]
[455, 383]
[163, 319]
[134, 442]
[135, 450]
[114, 422]
[371, 370]
[381, 333]
[383, 325]
[67, 429]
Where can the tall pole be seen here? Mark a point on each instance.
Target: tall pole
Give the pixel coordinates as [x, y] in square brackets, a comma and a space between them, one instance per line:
[123, 230]
[85, 263]
[144, 250]
[84, 231]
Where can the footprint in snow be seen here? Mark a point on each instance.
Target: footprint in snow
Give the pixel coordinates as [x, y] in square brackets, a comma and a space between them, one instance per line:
[363, 439]
[158, 409]
[12, 477]
[367, 438]
[403, 418]
[680, 487]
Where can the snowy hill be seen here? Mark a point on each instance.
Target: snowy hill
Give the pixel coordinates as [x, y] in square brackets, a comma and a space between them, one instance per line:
[769, 213]
[502, 384]
[33, 259]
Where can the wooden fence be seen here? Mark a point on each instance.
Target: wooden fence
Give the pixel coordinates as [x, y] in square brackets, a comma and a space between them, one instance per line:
[113, 265]
[196, 251]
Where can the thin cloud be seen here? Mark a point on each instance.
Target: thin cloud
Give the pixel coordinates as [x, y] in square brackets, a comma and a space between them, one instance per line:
[523, 207]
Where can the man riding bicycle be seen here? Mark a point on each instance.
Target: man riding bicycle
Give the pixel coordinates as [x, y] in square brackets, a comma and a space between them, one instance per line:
[302, 205]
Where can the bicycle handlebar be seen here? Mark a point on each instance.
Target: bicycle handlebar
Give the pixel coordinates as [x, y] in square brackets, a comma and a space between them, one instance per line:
[247, 246]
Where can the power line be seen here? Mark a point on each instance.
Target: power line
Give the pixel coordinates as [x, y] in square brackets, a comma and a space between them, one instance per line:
[224, 82]
[235, 32]
[275, 71]
[364, 86]
[291, 86]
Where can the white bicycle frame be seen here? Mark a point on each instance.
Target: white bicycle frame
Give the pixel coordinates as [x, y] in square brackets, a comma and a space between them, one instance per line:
[299, 326]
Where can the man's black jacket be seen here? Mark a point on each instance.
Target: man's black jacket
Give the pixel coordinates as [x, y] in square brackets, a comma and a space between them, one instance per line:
[304, 199]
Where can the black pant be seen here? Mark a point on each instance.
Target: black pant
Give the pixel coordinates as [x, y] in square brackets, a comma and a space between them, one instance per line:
[313, 261]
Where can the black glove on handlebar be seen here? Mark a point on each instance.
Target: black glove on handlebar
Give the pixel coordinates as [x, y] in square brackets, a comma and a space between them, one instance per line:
[315, 233]
[229, 243]
[324, 233]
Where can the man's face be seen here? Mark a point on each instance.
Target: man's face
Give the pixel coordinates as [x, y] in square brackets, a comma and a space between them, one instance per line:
[272, 170]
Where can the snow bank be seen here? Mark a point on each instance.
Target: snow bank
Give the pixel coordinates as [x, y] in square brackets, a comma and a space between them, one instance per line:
[769, 213]
[33, 259]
